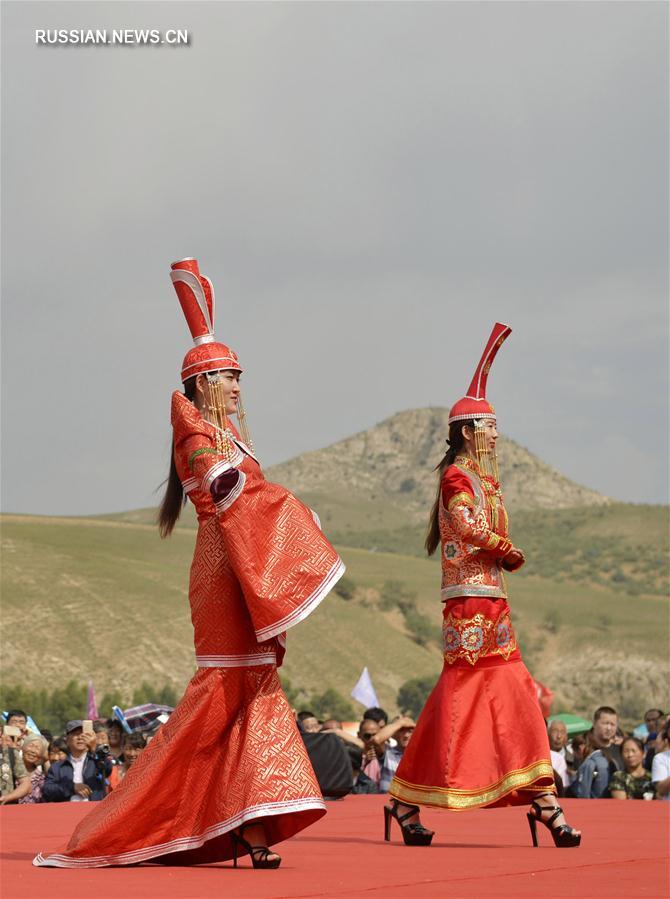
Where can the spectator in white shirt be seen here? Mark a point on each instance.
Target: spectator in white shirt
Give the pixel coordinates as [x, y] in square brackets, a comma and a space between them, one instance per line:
[660, 766]
[558, 741]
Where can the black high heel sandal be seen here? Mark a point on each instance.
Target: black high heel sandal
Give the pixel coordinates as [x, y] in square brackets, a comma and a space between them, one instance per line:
[412, 834]
[259, 854]
[564, 836]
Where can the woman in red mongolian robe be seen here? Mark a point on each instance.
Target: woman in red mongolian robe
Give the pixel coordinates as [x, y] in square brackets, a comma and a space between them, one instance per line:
[228, 773]
[481, 739]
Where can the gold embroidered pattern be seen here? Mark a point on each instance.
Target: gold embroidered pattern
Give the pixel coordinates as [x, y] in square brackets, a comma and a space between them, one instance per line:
[493, 541]
[474, 638]
[471, 548]
[467, 462]
[460, 800]
[458, 498]
[492, 493]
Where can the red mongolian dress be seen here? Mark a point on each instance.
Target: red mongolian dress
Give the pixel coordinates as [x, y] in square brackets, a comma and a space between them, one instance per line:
[231, 751]
[480, 739]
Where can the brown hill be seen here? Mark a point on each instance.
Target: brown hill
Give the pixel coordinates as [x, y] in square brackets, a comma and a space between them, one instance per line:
[391, 464]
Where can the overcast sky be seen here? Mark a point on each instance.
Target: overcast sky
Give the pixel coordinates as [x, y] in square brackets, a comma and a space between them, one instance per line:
[369, 186]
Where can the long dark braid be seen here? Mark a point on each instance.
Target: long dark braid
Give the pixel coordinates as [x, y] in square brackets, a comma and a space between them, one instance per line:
[455, 442]
[174, 498]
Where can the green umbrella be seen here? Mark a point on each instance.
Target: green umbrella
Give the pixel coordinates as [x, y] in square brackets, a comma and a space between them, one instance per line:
[574, 723]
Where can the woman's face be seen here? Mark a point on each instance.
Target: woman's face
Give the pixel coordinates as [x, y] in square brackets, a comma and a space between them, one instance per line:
[225, 384]
[32, 753]
[490, 434]
[131, 754]
[488, 426]
[632, 755]
[57, 755]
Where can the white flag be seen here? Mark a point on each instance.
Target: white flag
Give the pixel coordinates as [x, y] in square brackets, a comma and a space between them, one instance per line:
[364, 692]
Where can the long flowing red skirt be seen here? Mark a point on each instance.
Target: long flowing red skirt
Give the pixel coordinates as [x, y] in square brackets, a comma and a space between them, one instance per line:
[481, 739]
[230, 753]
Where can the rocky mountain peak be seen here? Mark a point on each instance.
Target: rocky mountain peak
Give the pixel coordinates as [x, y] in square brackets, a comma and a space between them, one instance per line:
[394, 460]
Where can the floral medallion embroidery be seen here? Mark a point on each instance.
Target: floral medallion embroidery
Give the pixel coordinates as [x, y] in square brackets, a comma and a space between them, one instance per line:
[472, 638]
[452, 639]
[475, 638]
[503, 634]
[450, 550]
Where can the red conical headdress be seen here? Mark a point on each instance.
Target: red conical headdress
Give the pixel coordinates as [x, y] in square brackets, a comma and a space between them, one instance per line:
[474, 404]
[196, 296]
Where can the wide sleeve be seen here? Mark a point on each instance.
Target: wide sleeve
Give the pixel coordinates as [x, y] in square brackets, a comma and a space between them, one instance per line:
[459, 502]
[283, 562]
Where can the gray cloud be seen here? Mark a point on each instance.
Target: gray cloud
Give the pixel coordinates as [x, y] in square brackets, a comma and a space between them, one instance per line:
[370, 186]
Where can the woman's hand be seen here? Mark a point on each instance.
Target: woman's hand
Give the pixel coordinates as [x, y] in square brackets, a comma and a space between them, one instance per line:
[513, 560]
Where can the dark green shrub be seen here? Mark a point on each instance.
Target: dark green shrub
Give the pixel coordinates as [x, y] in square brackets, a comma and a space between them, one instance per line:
[345, 588]
[413, 694]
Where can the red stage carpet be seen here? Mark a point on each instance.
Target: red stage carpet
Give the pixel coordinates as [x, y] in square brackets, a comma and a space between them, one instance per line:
[474, 854]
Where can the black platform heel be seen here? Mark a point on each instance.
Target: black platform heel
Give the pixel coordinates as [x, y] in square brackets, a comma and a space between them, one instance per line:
[564, 836]
[412, 834]
[259, 854]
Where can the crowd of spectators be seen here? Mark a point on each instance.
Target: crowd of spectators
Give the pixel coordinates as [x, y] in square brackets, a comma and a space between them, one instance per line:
[82, 765]
[606, 763]
[602, 762]
[91, 758]
[370, 756]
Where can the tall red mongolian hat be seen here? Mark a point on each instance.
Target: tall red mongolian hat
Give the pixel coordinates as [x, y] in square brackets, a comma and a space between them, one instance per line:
[474, 404]
[196, 296]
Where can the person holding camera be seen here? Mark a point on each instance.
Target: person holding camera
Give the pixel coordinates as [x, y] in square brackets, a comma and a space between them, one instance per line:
[81, 776]
[19, 719]
[14, 778]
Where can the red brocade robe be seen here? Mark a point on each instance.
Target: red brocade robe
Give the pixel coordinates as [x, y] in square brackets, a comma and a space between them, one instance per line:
[230, 753]
[481, 739]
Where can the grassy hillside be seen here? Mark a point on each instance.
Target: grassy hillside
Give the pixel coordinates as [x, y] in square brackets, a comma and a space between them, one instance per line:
[107, 599]
[620, 546]
[94, 598]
